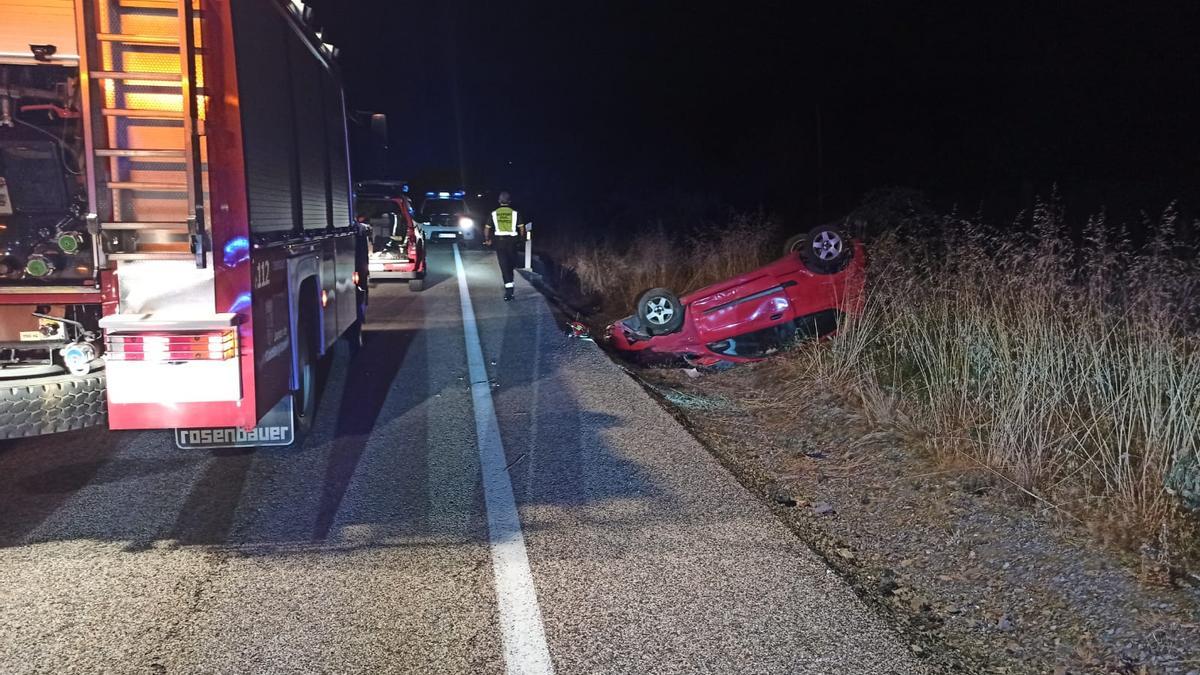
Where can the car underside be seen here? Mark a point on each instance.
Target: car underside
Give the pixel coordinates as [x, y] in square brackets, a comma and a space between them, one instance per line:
[802, 296]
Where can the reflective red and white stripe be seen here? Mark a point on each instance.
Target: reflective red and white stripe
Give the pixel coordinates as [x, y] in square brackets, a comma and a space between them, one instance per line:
[216, 345]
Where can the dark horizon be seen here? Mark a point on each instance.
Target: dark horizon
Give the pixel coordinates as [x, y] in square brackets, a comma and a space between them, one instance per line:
[799, 111]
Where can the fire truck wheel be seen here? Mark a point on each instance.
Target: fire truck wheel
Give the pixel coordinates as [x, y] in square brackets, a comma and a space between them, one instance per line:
[45, 405]
[416, 285]
[354, 337]
[304, 400]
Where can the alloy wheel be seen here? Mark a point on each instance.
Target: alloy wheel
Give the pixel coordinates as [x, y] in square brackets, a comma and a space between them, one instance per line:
[659, 311]
[827, 245]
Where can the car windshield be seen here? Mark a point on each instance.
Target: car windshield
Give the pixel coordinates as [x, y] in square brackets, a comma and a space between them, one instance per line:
[443, 207]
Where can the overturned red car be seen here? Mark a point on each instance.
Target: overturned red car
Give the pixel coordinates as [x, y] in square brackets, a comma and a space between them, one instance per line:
[803, 295]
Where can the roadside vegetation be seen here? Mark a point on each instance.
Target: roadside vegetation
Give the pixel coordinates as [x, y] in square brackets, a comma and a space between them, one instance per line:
[617, 270]
[1063, 360]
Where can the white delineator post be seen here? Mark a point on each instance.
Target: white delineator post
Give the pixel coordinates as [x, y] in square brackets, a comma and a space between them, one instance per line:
[529, 246]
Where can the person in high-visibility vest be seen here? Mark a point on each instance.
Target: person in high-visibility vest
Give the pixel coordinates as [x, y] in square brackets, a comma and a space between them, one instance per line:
[505, 230]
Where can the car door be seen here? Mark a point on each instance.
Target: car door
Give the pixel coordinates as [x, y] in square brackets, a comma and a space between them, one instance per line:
[749, 305]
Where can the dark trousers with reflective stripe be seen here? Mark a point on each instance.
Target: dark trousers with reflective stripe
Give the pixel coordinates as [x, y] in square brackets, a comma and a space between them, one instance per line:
[506, 254]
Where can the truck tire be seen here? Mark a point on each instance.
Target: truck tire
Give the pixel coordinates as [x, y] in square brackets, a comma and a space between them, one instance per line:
[304, 400]
[47, 405]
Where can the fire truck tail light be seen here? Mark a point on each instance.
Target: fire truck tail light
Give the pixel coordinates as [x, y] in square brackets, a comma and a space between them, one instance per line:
[217, 345]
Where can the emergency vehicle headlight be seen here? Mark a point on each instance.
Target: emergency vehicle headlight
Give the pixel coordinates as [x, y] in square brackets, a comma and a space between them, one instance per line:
[465, 223]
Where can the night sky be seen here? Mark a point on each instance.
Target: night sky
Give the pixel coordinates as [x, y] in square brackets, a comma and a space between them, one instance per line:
[577, 106]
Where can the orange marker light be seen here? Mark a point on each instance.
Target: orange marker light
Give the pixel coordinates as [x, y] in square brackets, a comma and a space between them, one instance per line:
[324, 298]
[354, 277]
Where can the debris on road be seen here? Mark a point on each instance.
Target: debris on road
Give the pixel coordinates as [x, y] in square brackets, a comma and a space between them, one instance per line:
[692, 401]
[822, 508]
[576, 329]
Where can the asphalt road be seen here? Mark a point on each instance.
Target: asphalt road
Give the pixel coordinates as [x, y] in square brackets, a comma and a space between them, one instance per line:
[368, 549]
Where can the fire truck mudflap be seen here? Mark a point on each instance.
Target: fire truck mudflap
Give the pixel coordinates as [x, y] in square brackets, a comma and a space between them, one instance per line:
[275, 428]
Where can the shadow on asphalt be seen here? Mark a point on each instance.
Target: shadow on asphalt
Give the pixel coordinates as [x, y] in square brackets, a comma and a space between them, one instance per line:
[369, 379]
[36, 477]
[354, 472]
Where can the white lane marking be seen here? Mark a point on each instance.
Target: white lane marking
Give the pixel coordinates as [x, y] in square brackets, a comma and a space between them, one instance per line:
[521, 628]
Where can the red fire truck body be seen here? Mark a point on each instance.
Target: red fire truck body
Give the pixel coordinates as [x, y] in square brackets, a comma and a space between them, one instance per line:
[227, 260]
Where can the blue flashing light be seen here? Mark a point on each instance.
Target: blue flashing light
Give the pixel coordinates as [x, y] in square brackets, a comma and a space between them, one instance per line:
[237, 251]
[240, 303]
[460, 194]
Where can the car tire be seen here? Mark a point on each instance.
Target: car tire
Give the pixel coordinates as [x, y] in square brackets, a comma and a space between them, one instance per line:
[824, 249]
[47, 405]
[660, 311]
[416, 285]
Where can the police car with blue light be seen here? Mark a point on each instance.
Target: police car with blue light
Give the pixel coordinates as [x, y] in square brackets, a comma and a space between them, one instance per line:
[445, 216]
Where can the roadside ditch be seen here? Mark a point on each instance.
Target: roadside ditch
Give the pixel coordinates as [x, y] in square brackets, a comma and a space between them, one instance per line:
[976, 577]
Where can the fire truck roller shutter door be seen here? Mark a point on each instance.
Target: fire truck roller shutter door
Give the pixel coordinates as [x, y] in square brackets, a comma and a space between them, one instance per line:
[339, 158]
[37, 22]
[267, 116]
[310, 143]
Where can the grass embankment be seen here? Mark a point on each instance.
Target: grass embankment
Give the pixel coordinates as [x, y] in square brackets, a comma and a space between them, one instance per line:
[617, 271]
[1066, 364]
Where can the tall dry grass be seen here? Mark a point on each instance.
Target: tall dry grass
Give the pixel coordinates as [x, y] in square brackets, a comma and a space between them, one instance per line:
[618, 270]
[1066, 363]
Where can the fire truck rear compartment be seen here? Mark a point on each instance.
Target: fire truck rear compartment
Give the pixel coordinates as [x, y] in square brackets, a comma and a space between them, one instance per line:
[43, 235]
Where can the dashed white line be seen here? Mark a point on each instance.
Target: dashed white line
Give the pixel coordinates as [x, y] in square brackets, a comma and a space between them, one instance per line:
[522, 632]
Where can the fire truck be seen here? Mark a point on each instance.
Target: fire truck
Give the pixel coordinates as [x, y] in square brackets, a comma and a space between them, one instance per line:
[177, 243]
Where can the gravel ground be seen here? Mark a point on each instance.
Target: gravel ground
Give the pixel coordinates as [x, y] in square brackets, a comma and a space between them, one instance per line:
[985, 582]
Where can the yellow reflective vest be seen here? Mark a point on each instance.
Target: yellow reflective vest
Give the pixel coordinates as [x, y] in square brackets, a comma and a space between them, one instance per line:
[505, 222]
